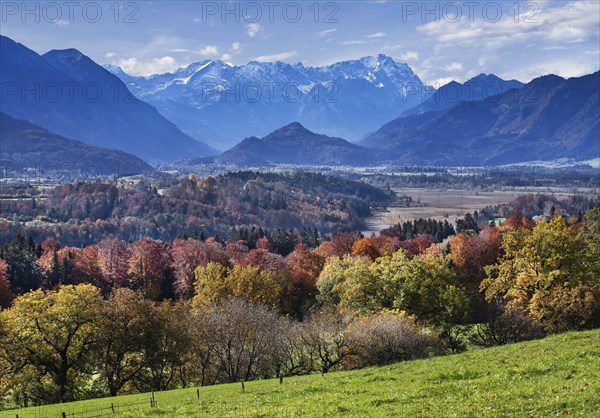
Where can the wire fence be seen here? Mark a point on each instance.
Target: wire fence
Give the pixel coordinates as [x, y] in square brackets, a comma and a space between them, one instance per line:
[192, 397]
[114, 409]
[199, 407]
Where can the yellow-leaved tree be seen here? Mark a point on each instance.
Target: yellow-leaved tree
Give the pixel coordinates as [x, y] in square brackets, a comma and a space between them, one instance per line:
[215, 282]
[47, 340]
[543, 271]
[424, 286]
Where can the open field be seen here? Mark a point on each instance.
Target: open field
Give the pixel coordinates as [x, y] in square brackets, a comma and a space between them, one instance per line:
[559, 375]
[447, 204]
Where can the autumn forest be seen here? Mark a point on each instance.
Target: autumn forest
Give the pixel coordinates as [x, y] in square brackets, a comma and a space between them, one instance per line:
[113, 288]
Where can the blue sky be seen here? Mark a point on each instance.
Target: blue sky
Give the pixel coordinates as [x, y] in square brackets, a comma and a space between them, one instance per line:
[441, 40]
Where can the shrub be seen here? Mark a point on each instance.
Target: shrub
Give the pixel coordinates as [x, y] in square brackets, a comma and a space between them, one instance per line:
[565, 308]
[324, 336]
[386, 338]
[242, 340]
[509, 324]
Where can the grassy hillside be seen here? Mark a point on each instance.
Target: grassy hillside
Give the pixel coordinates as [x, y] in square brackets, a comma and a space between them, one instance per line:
[559, 375]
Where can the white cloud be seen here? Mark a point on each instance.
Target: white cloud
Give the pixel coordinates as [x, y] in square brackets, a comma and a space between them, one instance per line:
[110, 54]
[324, 33]
[377, 35]
[569, 22]
[562, 67]
[392, 47]
[62, 22]
[276, 57]
[437, 83]
[485, 61]
[454, 67]
[252, 29]
[409, 56]
[226, 57]
[353, 43]
[236, 47]
[555, 48]
[158, 44]
[438, 69]
[208, 51]
[136, 67]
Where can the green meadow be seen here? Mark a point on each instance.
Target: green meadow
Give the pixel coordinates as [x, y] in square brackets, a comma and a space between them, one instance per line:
[555, 376]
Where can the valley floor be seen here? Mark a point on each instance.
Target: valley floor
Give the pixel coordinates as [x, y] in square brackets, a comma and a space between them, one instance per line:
[450, 204]
[559, 375]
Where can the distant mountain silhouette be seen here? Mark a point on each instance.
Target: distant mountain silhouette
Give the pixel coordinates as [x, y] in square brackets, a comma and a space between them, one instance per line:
[547, 119]
[294, 144]
[24, 145]
[69, 94]
[477, 88]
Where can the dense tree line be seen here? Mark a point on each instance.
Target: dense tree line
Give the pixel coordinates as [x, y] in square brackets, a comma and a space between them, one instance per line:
[85, 213]
[469, 178]
[437, 231]
[281, 241]
[119, 317]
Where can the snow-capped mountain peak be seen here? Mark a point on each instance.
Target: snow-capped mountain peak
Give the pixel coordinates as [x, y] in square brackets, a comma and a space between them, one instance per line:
[220, 103]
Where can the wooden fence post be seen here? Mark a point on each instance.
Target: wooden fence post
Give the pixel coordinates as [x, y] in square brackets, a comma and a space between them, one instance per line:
[243, 387]
[112, 406]
[198, 393]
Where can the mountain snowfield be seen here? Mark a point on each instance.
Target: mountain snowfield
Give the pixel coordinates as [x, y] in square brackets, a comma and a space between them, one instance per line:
[219, 103]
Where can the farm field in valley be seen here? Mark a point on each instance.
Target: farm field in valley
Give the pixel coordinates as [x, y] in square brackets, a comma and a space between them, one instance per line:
[447, 204]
